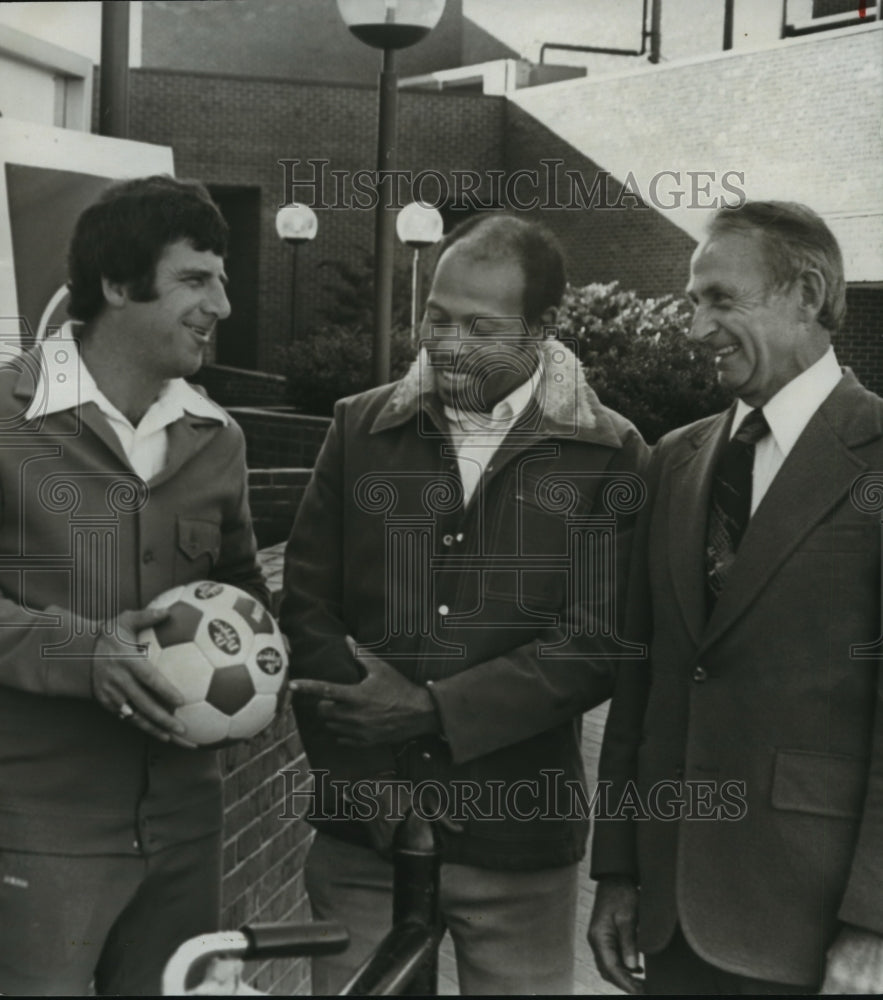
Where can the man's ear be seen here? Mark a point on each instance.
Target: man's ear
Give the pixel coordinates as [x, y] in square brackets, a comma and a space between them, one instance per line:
[813, 288]
[115, 293]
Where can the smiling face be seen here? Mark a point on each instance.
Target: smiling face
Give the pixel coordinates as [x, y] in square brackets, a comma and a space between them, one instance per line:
[761, 337]
[166, 337]
[480, 349]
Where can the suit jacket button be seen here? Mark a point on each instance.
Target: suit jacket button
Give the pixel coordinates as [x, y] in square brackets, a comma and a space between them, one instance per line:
[700, 674]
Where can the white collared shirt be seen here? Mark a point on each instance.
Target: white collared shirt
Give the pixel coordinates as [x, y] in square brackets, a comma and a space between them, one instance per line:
[787, 414]
[477, 436]
[65, 383]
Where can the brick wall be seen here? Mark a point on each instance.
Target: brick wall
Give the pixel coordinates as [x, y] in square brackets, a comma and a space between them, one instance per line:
[241, 387]
[230, 132]
[280, 440]
[861, 344]
[264, 854]
[274, 496]
[306, 40]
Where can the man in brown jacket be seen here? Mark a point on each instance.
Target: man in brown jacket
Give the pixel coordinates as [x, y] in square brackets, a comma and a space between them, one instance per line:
[118, 481]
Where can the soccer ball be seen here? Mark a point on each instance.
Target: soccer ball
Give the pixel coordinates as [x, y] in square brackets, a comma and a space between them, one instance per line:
[225, 654]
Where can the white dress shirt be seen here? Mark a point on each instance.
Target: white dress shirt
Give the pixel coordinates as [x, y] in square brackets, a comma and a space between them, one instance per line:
[787, 414]
[477, 436]
[65, 383]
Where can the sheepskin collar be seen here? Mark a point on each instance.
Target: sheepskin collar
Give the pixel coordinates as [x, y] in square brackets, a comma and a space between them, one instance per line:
[570, 408]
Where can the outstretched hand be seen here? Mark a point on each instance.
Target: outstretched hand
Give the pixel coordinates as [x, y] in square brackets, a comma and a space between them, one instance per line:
[384, 707]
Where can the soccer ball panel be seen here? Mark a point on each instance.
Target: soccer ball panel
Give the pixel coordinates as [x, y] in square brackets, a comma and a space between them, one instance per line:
[255, 614]
[231, 689]
[180, 626]
[204, 724]
[256, 715]
[187, 669]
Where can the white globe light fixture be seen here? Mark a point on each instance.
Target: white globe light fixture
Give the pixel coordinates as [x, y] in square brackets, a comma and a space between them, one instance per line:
[296, 224]
[418, 226]
[390, 24]
[387, 25]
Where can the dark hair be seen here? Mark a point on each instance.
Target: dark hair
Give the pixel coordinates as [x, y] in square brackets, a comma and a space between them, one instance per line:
[496, 237]
[123, 234]
[794, 238]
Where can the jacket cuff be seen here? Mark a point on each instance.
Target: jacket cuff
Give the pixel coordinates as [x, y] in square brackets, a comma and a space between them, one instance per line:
[70, 675]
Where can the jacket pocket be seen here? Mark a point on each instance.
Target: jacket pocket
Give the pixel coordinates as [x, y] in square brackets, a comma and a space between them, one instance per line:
[818, 783]
[199, 539]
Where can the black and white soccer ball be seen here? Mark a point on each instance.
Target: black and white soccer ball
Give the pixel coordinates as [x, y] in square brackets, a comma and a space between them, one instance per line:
[224, 652]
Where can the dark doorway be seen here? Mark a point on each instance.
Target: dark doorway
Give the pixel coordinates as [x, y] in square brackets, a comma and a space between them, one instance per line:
[237, 343]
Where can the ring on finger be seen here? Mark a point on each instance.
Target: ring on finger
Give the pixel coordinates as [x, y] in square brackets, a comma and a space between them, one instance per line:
[125, 711]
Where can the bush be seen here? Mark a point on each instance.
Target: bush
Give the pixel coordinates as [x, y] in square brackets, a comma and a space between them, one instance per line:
[336, 362]
[638, 359]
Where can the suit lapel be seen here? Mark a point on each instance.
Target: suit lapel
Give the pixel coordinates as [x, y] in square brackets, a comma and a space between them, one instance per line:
[688, 516]
[814, 478]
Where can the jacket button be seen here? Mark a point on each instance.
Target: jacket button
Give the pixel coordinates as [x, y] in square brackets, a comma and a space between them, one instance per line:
[679, 773]
[147, 557]
[426, 755]
[443, 610]
[700, 674]
[448, 540]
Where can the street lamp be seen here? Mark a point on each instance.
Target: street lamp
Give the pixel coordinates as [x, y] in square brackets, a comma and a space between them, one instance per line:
[296, 224]
[418, 226]
[387, 25]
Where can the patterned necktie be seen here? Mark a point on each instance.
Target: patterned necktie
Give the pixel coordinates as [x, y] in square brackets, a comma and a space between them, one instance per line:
[731, 502]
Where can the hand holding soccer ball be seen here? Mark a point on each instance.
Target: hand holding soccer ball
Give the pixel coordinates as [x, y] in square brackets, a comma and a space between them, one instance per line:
[224, 652]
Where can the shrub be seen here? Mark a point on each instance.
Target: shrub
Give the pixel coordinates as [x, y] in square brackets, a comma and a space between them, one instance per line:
[637, 357]
[335, 362]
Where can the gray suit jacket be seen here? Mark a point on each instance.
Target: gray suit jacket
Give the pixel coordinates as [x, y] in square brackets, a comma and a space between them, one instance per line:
[760, 719]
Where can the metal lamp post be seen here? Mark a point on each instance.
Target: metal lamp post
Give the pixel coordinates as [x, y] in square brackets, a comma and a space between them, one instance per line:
[387, 25]
[296, 224]
[418, 226]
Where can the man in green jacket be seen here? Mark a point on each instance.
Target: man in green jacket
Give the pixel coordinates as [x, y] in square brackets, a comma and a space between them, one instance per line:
[118, 481]
[450, 599]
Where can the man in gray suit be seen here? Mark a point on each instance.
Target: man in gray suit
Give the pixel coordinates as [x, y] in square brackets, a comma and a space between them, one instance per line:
[750, 858]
